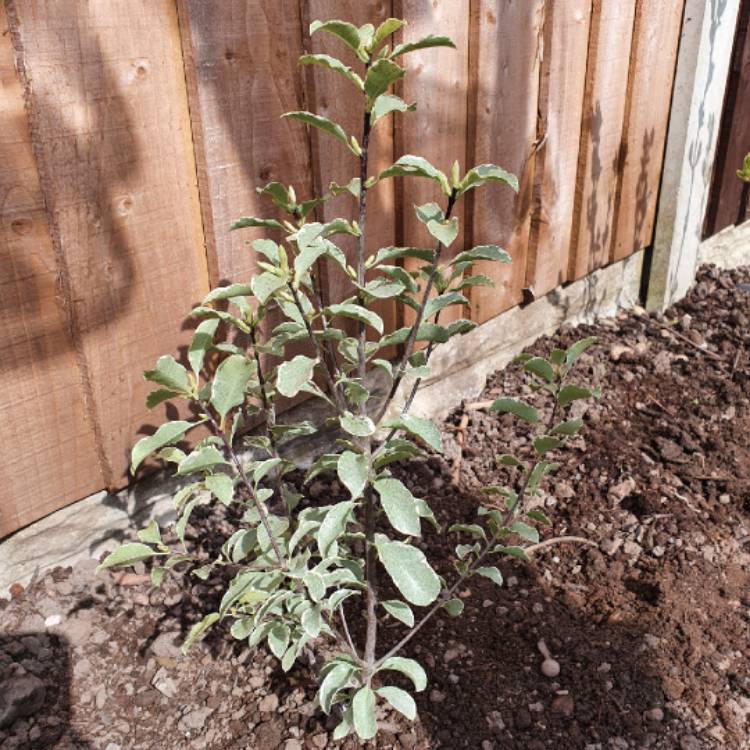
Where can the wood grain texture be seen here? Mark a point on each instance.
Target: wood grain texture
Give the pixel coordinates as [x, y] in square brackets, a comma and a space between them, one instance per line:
[562, 84]
[653, 56]
[728, 202]
[336, 98]
[599, 160]
[507, 69]
[109, 117]
[242, 74]
[437, 79]
[50, 451]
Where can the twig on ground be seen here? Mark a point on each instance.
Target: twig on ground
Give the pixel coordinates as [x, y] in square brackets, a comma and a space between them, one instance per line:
[687, 340]
[560, 540]
[460, 439]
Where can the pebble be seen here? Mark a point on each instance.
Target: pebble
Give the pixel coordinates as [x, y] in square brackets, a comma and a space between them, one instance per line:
[320, 740]
[19, 697]
[436, 696]
[563, 705]
[654, 714]
[689, 742]
[52, 620]
[164, 645]
[610, 546]
[293, 745]
[658, 551]
[196, 719]
[550, 668]
[269, 704]
[164, 683]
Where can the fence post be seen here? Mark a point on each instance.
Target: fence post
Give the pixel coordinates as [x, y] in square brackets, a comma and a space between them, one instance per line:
[700, 81]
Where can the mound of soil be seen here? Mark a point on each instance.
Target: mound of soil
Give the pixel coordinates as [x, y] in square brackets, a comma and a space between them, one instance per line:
[650, 626]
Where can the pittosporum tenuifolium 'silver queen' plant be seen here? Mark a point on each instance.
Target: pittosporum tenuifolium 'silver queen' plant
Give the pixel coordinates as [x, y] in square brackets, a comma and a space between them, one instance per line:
[294, 562]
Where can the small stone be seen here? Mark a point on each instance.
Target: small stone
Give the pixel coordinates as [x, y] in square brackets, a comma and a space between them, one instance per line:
[487, 603]
[564, 706]
[495, 722]
[293, 745]
[269, 704]
[725, 499]
[654, 714]
[195, 720]
[112, 746]
[604, 668]
[618, 492]
[320, 740]
[689, 742]
[537, 608]
[512, 581]
[52, 620]
[165, 645]
[436, 696]
[658, 551]
[487, 745]
[610, 546]
[618, 351]
[550, 668]
[632, 549]
[20, 697]
[451, 654]
[536, 708]
[164, 683]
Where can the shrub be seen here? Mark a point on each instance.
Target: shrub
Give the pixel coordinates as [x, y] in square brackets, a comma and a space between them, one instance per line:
[294, 563]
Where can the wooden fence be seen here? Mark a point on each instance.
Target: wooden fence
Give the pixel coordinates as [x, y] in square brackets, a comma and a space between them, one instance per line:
[133, 133]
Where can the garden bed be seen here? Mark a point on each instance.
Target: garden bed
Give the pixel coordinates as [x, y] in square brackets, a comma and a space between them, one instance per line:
[650, 627]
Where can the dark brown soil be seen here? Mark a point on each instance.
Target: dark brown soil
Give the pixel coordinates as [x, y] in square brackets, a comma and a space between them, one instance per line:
[650, 628]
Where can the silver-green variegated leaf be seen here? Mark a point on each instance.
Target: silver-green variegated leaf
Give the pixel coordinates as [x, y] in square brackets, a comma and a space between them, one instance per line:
[517, 408]
[128, 554]
[409, 570]
[492, 573]
[343, 30]
[363, 710]
[169, 373]
[333, 526]
[380, 76]
[424, 429]
[400, 610]
[202, 459]
[408, 667]
[387, 103]
[416, 166]
[445, 232]
[399, 506]
[570, 393]
[386, 28]
[294, 374]
[484, 173]
[167, 434]
[353, 472]
[400, 700]
[357, 312]
[334, 64]
[202, 340]
[359, 426]
[424, 43]
[321, 123]
[335, 679]
[199, 630]
[229, 383]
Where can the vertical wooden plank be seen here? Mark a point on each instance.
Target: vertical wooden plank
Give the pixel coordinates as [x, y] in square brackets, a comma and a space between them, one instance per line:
[562, 84]
[727, 204]
[49, 449]
[700, 83]
[337, 99]
[242, 74]
[654, 53]
[509, 52]
[437, 79]
[109, 113]
[599, 158]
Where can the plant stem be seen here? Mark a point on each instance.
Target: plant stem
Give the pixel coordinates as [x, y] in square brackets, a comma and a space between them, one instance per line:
[361, 346]
[410, 342]
[340, 406]
[259, 506]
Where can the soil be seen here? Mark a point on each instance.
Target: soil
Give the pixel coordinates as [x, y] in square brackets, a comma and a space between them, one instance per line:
[650, 627]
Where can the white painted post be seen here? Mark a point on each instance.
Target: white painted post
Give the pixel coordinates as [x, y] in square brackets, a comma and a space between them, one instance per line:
[702, 69]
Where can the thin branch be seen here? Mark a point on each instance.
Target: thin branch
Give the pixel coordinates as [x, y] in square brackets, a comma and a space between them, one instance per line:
[346, 630]
[559, 540]
[259, 506]
[411, 341]
[341, 408]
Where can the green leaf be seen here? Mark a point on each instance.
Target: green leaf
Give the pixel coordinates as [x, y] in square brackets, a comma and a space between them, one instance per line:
[529, 533]
[570, 427]
[400, 700]
[336, 679]
[492, 573]
[198, 630]
[351, 187]
[349, 310]
[352, 471]
[540, 367]
[436, 304]
[128, 554]
[424, 429]
[169, 373]
[201, 460]
[230, 380]
[278, 639]
[227, 292]
[507, 460]
[294, 374]
[322, 123]
[356, 425]
[167, 434]
[380, 76]
[159, 397]
[482, 252]
[333, 63]
[428, 41]
[346, 32]
[454, 607]
[311, 621]
[252, 222]
[387, 103]
[265, 285]
[517, 552]
[445, 231]
[570, 393]
[410, 572]
[412, 669]
[203, 339]
[577, 349]
[151, 534]
[399, 506]
[546, 443]
[333, 526]
[400, 611]
[518, 409]
[484, 173]
[537, 515]
[363, 710]
[428, 212]
[469, 528]
[416, 166]
[388, 27]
